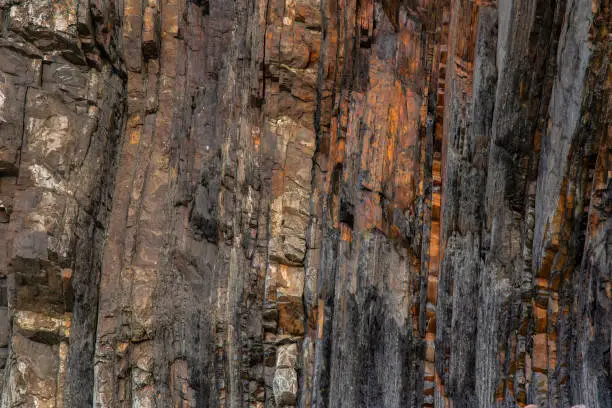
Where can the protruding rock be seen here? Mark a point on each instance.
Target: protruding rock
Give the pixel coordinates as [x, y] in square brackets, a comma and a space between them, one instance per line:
[285, 386]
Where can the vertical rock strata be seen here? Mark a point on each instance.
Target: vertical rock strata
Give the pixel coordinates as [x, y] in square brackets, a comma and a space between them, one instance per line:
[305, 203]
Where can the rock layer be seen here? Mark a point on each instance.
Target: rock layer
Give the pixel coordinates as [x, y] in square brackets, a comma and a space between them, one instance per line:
[311, 203]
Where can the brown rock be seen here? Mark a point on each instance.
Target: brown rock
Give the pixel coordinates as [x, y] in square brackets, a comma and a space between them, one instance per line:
[374, 203]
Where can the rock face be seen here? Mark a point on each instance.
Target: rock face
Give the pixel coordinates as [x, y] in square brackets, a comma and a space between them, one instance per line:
[310, 203]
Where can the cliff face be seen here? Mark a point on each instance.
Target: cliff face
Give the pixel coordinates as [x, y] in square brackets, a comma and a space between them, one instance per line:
[311, 203]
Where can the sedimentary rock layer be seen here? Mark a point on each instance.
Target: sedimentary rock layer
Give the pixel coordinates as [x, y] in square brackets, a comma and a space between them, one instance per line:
[309, 203]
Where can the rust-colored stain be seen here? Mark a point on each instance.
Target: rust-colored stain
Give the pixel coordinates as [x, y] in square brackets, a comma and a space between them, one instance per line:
[320, 320]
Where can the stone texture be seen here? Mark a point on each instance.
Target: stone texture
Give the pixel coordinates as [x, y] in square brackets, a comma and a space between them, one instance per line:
[310, 203]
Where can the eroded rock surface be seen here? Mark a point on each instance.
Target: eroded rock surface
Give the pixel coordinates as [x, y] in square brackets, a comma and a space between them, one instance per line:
[309, 203]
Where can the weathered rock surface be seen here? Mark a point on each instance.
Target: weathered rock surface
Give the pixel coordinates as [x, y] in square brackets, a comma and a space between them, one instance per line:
[311, 203]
